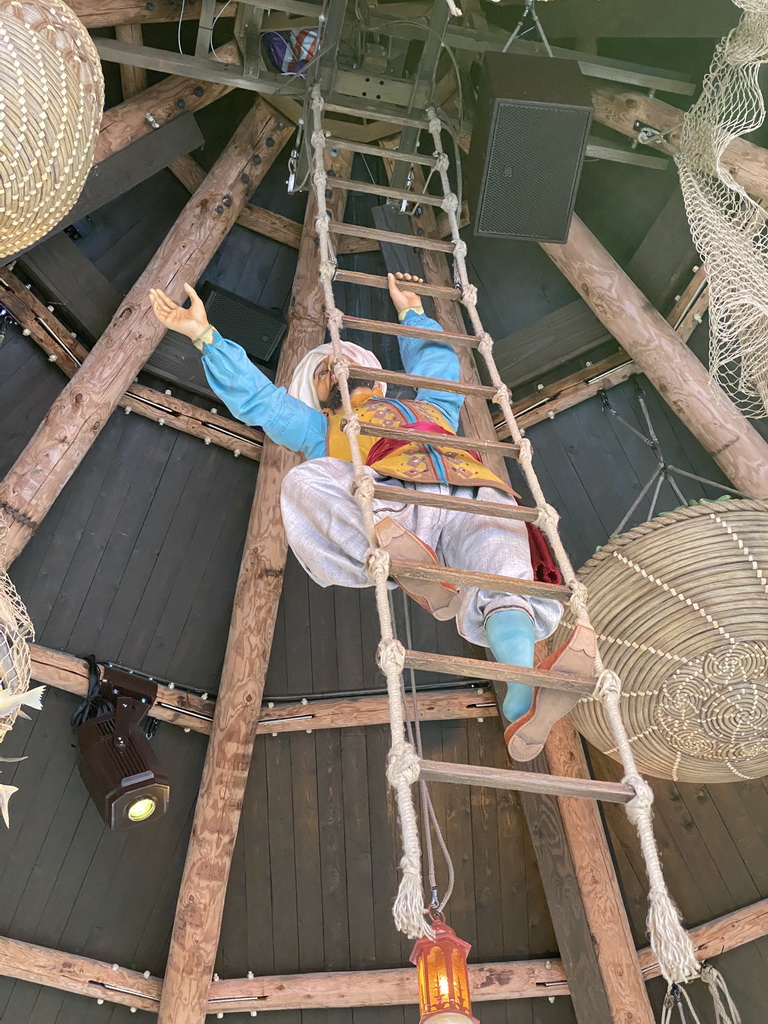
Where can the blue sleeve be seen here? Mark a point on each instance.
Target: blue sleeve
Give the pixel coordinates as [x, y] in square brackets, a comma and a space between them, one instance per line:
[431, 359]
[254, 399]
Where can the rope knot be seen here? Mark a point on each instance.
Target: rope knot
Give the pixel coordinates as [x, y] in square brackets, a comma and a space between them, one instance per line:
[503, 394]
[548, 517]
[579, 595]
[608, 684]
[469, 295]
[450, 203]
[377, 563]
[435, 124]
[403, 766]
[327, 271]
[642, 802]
[460, 249]
[340, 366]
[335, 319]
[351, 427]
[525, 456]
[317, 138]
[442, 162]
[390, 656]
[363, 489]
[486, 345]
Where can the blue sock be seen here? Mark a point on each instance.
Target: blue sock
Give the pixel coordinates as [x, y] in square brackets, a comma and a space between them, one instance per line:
[511, 638]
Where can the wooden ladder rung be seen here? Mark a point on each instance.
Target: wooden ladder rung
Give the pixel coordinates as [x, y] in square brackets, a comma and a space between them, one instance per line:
[401, 194]
[433, 383]
[512, 451]
[525, 782]
[390, 154]
[393, 237]
[484, 580]
[476, 668]
[376, 115]
[438, 291]
[357, 323]
[428, 499]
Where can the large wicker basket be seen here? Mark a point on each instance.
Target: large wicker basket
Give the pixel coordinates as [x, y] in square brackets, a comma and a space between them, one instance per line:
[51, 99]
[680, 605]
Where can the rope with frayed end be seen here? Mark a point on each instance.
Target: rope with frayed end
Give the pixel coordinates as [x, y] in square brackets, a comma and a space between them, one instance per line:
[402, 761]
[669, 940]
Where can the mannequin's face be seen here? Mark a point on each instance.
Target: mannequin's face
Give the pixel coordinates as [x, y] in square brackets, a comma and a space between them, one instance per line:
[327, 387]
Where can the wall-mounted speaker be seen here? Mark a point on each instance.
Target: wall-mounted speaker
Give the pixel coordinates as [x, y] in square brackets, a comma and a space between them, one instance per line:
[258, 330]
[529, 137]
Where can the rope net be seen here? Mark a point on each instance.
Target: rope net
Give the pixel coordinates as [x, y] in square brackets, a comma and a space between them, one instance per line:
[16, 633]
[669, 940]
[728, 227]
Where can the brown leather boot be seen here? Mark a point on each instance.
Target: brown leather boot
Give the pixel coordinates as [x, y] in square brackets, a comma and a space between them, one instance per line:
[439, 599]
[525, 737]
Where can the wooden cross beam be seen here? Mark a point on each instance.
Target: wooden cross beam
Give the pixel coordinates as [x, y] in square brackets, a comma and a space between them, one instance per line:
[79, 413]
[195, 937]
[672, 368]
[526, 979]
[103, 13]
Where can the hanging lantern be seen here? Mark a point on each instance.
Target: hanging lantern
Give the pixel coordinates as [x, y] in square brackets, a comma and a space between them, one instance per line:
[443, 978]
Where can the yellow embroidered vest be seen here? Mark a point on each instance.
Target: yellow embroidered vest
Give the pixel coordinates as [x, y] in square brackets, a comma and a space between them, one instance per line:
[417, 462]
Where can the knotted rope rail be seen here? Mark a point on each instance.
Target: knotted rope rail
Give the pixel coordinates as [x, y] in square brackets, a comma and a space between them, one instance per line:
[669, 940]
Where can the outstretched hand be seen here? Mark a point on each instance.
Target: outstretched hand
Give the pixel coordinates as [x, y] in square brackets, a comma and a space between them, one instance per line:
[193, 321]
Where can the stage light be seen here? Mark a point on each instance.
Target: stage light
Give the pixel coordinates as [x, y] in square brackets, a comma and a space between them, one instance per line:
[117, 763]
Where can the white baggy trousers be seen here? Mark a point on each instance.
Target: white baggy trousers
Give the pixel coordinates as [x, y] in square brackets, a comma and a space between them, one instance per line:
[325, 530]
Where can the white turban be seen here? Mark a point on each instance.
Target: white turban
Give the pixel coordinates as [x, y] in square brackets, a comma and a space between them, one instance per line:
[302, 383]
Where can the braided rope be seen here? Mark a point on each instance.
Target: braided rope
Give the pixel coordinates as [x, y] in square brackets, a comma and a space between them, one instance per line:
[402, 761]
[669, 940]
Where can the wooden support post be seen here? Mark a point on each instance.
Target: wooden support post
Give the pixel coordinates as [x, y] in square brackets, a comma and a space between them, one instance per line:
[79, 413]
[672, 368]
[523, 979]
[255, 218]
[133, 80]
[196, 929]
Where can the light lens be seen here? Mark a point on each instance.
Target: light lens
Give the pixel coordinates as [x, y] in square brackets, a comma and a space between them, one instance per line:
[142, 808]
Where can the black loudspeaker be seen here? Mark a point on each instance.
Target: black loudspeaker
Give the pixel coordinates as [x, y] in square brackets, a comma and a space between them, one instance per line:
[528, 141]
[257, 329]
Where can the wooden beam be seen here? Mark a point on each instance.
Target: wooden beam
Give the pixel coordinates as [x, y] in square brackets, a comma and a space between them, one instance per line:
[64, 349]
[255, 218]
[197, 925]
[102, 13]
[161, 103]
[672, 368]
[526, 979]
[191, 711]
[526, 782]
[619, 108]
[133, 80]
[80, 412]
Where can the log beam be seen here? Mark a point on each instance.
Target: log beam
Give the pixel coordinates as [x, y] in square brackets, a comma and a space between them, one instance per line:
[191, 711]
[255, 218]
[133, 80]
[81, 410]
[527, 979]
[103, 13]
[672, 368]
[195, 937]
[619, 108]
[64, 349]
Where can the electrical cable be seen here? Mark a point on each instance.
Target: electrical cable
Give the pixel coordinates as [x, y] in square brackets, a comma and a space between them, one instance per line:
[181, 18]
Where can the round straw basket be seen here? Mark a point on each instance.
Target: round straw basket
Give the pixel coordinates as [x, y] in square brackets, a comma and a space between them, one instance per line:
[51, 98]
[680, 606]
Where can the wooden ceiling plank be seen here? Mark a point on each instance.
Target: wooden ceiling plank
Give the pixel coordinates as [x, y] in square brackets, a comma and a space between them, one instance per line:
[80, 412]
[68, 353]
[671, 367]
[526, 979]
[255, 218]
[195, 937]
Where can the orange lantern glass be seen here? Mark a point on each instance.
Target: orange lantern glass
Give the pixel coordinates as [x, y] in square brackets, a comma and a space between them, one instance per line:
[443, 978]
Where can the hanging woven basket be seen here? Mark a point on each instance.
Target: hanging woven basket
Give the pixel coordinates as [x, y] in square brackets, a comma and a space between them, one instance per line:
[51, 99]
[680, 606]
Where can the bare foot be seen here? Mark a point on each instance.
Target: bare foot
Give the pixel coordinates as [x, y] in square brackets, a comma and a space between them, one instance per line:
[402, 299]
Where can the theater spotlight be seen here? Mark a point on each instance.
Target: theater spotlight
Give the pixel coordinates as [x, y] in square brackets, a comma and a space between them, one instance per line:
[116, 760]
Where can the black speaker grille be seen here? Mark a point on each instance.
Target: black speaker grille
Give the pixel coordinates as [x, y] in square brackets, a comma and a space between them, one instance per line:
[258, 330]
[532, 170]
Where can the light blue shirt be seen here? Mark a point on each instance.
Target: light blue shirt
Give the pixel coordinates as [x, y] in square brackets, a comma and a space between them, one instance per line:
[254, 399]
